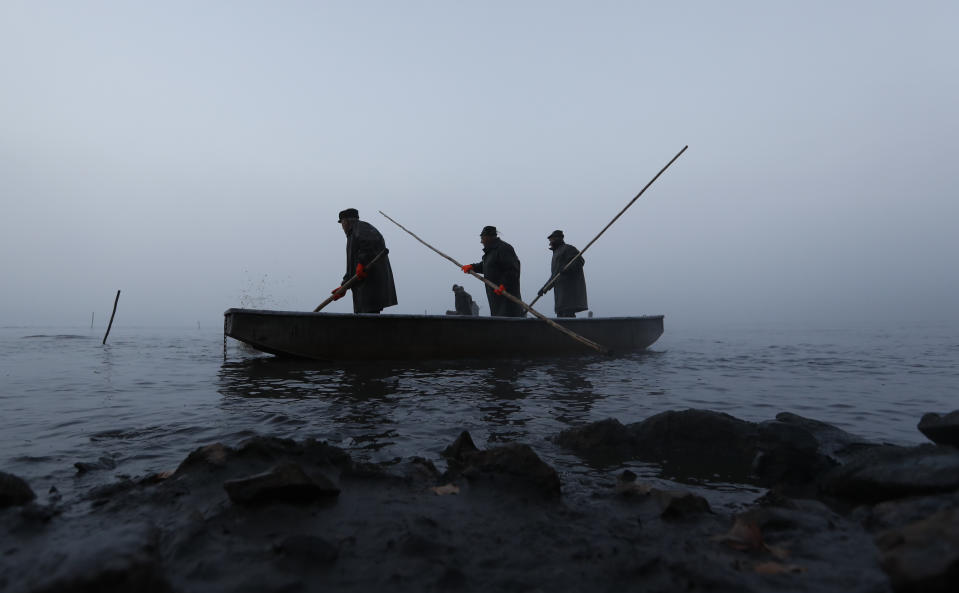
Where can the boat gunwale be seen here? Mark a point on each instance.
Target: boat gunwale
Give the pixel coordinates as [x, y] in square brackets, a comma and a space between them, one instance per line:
[416, 316]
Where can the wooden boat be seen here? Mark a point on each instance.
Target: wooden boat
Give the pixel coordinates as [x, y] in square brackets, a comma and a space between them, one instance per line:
[339, 336]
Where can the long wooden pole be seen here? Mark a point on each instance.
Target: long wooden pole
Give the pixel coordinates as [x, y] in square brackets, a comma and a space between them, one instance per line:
[109, 325]
[572, 334]
[552, 280]
[347, 284]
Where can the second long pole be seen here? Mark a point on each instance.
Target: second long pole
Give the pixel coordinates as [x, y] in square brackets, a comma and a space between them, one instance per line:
[598, 347]
[552, 280]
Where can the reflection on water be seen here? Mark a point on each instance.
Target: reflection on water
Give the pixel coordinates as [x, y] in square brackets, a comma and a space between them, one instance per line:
[574, 395]
[415, 409]
[149, 397]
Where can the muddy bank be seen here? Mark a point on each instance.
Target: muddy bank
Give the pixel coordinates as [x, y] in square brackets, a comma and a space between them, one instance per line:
[837, 513]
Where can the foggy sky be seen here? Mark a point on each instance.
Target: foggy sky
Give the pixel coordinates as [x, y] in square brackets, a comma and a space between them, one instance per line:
[195, 154]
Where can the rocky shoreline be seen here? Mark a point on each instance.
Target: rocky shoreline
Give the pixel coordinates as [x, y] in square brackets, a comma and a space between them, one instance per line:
[838, 513]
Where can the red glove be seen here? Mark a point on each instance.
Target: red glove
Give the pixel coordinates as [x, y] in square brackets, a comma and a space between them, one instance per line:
[337, 295]
[499, 290]
[467, 268]
[360, 271]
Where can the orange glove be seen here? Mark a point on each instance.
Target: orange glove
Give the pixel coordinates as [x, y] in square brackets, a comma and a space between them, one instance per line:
[360, 271]
[337, 295]
[499, 290]
[467, 268]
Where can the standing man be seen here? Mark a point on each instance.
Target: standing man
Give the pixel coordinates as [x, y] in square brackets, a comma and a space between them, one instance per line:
[374, 289]
[570, 293]
[500, 266]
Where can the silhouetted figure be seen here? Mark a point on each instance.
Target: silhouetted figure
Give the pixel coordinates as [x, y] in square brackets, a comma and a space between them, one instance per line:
[569, 290]
[464, 302]
[374, 289]
[501, 267]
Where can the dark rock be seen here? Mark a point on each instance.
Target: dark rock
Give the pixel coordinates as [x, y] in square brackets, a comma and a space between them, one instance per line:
[39, 513]
[517, 463]
[675, 504]
[808, 548]
[267, 448]
[942, 430]
[669, 504]
[896, 513]
[284, 483]
[14, 491]
[775, 498]
[108, 491]
[310, 451]
[689, 434]
[90, 466]
[418, 545]
[322, 453]
[418, 470]
[117, 558]
[788, 453]
[687, 443]
[605, 441]
[923, 556]
[155, 478]
[259, 452]
[888, 472]
[307, 550]
[832, 442]
[461, 447]
[452, 579]
[800, 516]
[795, 451]
[205, 458]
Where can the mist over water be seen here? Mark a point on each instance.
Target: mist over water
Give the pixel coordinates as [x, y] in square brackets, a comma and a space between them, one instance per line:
[150, 396]
[194, 157]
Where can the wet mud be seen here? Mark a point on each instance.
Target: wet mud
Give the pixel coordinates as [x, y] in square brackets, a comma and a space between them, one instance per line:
[833, 513]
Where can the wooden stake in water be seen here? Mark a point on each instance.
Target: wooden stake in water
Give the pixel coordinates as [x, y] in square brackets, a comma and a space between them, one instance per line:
[92, 315]
[109, 325]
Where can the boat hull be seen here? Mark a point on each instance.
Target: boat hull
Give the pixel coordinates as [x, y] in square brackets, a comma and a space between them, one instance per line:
[338, 336]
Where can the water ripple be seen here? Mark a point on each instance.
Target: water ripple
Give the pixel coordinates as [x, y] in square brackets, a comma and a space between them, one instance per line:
[150, 398]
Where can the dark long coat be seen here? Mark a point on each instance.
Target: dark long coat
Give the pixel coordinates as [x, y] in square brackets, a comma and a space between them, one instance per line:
[464, 303]
[501, 266]
[376, 291]
[570, 288]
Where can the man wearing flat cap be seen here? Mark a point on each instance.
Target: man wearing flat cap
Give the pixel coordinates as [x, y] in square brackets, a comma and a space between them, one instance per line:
[373, 290]
[570, 287]
[501, 267]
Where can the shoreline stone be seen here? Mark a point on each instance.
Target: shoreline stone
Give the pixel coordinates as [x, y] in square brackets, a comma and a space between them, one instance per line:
[286, 482]
[513, 524]
[515, 464]
[788, 453]
[889, 472]
[942, 430]
[14, 491]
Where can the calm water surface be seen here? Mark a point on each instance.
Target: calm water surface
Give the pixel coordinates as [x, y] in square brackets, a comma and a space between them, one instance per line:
[150, 396]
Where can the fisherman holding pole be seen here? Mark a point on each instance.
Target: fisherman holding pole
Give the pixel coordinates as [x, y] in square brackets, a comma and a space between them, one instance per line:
[579, 255]
[368, 272]
[570, 286]
[501, 291]
[499, 265]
